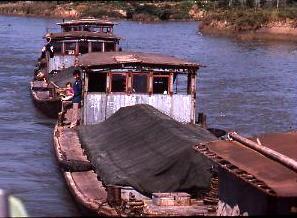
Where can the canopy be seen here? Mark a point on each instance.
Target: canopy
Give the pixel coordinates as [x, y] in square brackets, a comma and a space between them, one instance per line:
[141, 147]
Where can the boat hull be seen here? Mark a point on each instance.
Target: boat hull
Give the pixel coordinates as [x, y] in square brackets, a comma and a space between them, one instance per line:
[47, 105]
[82, 182]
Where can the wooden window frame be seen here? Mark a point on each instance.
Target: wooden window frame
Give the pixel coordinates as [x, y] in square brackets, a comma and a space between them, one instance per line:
[110, 75]
[168, 85]
[147, 82]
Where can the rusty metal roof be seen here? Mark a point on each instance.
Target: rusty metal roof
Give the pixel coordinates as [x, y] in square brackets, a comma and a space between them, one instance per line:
[87, 21]
[129, 58]
[278, 177]
[81, 35]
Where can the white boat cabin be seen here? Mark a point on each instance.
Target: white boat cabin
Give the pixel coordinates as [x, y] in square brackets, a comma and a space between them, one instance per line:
[118, 79]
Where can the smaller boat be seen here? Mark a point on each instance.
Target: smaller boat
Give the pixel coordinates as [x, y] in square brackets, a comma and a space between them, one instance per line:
[77, 37]
[132, 154]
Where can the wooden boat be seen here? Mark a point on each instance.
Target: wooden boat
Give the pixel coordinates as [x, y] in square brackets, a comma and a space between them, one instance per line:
[134, 100]
[77, 37]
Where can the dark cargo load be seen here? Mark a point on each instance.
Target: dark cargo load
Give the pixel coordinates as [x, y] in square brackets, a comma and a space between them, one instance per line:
[141, 147]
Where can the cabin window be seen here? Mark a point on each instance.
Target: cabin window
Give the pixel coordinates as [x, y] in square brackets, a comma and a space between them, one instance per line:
[86, 28]
[75, 28]
[57, 47]
[180, 84]
[97, 46]
[97, 82]
[118, 83]
[106, 29]
[95, 29]
[67, 29]
[160, 85]
[139, 83]
[70, 47]
[109, 46]
[83, 47]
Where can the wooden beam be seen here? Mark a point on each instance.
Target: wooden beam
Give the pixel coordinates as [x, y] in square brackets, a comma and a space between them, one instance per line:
[108, 82]
[272, 154]
[170, 84]
[129, 83]
[150, 83]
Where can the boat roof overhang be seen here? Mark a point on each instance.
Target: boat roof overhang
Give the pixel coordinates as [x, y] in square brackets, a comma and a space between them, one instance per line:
[120, 60]
[81, 35]
[280, 178]
[88, 21]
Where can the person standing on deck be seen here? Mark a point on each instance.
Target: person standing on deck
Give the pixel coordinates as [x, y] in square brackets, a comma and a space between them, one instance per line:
[77, 88]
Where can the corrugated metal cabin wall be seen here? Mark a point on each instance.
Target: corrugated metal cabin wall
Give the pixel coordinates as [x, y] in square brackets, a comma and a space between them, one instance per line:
[179, 107]
[99, 106]
[59, 62]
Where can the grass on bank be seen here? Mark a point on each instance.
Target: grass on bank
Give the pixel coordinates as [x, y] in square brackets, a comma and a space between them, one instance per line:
[252, 19]
[240, 18]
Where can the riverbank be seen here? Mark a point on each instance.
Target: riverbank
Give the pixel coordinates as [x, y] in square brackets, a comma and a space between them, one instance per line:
[251, 24]
[241, 23]
[138, 11]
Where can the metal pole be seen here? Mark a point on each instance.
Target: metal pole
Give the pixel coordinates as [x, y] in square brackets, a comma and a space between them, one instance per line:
[272, 154]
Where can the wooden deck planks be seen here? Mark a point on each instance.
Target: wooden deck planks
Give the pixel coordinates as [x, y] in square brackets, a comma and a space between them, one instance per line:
[70, 145]
[89, 185]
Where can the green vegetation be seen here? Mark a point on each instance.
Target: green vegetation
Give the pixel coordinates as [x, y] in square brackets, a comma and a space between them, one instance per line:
[23, 8]
[136, 10]
[251, 19]
[247, 15]
[239, 15]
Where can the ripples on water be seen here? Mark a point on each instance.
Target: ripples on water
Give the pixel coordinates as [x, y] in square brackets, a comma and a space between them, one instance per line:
[28, 166]
[247, 86]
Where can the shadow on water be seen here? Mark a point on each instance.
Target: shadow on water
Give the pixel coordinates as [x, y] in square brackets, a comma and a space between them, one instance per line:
[249, 87]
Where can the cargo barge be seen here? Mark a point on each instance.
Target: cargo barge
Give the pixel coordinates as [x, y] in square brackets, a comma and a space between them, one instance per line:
[127, 156]
[77, 37]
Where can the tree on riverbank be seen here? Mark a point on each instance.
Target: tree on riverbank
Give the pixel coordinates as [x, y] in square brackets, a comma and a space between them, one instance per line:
[236, 15]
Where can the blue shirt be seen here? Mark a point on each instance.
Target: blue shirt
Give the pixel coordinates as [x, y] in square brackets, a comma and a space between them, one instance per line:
[77, 88]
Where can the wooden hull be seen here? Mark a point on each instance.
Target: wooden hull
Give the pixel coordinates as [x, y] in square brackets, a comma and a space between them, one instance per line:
[80, 178]
[91, 194]
[47, 105]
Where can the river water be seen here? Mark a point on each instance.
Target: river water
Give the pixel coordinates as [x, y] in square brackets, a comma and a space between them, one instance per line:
[249, 87]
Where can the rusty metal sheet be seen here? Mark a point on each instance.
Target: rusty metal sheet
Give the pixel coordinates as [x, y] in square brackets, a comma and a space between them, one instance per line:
[285, 143]
[282, 180]
[110, 58]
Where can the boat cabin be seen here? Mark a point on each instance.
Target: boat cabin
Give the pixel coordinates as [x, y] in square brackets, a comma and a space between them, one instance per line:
[118, 79]
[66, 46]
[87, 24]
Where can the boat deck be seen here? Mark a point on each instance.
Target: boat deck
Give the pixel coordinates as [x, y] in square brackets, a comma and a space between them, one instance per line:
[84, 185]
[92, 194]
